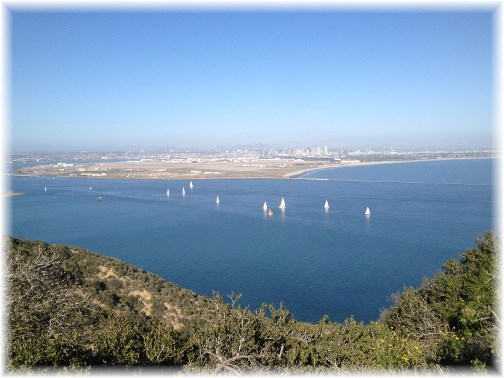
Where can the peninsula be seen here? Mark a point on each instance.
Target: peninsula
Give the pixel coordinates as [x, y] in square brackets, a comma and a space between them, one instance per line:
[180, 170]
[230, 164]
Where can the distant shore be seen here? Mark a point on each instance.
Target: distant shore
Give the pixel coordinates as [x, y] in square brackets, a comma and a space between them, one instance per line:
[167, 170]
[190, 171]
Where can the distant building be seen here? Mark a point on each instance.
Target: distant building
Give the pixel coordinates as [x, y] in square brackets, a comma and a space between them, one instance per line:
[326, 150]
[272, 152]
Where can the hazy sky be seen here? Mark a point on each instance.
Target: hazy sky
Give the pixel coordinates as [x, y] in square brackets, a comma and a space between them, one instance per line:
[206, 79]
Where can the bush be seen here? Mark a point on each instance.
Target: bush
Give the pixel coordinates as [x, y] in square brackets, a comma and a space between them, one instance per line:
[454, 312]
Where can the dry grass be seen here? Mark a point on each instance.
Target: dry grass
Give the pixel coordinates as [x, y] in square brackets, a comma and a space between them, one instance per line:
[144, 297]
[106, 273]
[172, 315]
[175, 313]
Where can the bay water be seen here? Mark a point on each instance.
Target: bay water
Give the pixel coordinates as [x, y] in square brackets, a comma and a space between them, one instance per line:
[338, 262]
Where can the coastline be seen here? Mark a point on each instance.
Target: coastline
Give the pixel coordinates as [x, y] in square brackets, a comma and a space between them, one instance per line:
[287, 177]
[296, 175]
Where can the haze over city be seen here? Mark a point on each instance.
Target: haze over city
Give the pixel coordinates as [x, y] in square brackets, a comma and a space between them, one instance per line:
[205, 79]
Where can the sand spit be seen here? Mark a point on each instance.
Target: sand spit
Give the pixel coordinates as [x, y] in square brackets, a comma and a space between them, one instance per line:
[163, 170]
[12, 194]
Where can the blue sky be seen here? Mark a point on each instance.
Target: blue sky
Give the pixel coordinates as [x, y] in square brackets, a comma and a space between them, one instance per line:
[83, 80]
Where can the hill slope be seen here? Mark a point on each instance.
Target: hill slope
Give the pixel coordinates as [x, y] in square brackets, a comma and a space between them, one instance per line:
[70, 307]
[116, 285]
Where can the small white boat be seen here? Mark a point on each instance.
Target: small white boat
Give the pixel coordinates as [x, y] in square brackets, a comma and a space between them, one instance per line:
[265, 206]
[45, 188]
[282, 204]
[183, 191]
[191, 186]
[368, 212]
[99, 199]
[217, 200]
[168, 192]
[326, 206]
[90, 188]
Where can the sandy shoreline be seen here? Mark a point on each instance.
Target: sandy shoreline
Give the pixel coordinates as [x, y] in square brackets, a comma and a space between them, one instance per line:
[11, 194]
[387, 162]
[294, 175]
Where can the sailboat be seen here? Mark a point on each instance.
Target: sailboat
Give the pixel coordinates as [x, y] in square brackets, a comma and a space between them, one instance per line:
[326, 206]
[217, 200]
[45, 188]
[270, 213]
[191, 186]
[265, 206]
[168, 192]
[183, 191]
[368, 212]
[282, 204]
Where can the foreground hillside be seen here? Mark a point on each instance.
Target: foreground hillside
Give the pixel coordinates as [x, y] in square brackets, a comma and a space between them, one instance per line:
[73, 308]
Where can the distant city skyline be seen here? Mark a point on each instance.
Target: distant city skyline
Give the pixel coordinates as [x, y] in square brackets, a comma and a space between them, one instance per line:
[195, 79]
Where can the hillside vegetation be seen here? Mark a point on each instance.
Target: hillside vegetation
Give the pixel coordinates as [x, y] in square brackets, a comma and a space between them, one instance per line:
[68, 307]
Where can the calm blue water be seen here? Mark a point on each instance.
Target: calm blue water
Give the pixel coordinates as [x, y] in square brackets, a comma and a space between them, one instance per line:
[337, 263]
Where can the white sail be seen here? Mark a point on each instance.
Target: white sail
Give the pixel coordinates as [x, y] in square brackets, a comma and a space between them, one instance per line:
[45, 188]
[168, 192]
[183, 191]
[282, 204]
[368, 212]
[326, 206]
[217, 200]
[265, 206]
[191, 185]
